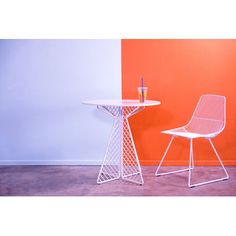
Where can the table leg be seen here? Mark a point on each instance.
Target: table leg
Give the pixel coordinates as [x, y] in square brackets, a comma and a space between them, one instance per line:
[110, 169]
[131, 168]
[121, 159]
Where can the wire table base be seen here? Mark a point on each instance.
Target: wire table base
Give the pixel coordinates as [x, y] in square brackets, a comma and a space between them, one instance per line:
[121, 159]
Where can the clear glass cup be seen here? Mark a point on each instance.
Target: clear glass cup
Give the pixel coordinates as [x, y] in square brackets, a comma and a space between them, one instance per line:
[142, 94]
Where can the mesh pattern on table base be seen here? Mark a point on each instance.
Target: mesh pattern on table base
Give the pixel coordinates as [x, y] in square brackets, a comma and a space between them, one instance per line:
[110, 168]
[121, 160]
[131, 166]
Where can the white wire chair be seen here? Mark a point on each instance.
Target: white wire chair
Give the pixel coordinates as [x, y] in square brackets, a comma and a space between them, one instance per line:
[208, 120]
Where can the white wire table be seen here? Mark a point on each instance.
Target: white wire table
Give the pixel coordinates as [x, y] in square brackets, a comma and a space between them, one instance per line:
[121, 159]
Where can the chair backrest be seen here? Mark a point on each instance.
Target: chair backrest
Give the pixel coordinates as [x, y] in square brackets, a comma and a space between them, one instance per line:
[209, 115]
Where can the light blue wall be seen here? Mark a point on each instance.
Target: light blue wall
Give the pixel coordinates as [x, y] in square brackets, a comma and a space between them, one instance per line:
[42, 85]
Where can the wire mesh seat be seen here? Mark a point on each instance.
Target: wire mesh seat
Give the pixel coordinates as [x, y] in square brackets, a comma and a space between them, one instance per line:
[207, 121]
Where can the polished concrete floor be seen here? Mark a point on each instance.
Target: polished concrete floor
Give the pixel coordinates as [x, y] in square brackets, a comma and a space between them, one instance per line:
[81, 181]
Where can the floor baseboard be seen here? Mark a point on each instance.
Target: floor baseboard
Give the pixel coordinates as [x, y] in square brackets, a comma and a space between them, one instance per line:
[99, 162]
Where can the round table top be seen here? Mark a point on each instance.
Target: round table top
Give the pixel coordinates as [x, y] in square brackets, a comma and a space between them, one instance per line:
[122, 103]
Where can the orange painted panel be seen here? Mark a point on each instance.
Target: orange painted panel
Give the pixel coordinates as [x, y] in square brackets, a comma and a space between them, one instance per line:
[177, 73]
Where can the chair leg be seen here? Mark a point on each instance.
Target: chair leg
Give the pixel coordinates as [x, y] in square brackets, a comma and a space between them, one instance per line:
[169, 172]
[162, 159]
[210, 181]
[221, 163]
[190, 163]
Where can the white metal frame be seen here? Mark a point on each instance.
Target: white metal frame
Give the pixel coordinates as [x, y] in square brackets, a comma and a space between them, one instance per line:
[191, 136]
[121, 159]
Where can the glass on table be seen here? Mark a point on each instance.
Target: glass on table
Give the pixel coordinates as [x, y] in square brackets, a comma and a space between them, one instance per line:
[142, 93]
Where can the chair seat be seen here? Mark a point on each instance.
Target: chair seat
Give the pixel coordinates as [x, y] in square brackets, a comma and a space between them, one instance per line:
[182, 132]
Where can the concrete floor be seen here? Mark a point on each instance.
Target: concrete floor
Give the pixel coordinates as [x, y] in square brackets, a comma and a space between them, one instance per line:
[81, 181]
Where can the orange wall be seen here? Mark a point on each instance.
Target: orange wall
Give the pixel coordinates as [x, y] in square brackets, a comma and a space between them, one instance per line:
[177, 73]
